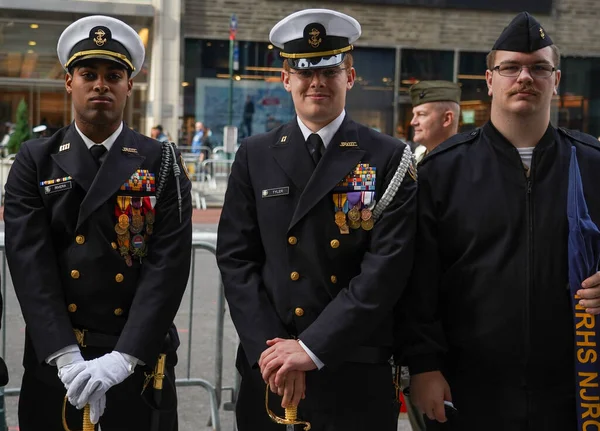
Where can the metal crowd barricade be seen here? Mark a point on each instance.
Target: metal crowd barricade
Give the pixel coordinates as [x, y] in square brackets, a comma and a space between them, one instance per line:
[205, 241]
[212, 183]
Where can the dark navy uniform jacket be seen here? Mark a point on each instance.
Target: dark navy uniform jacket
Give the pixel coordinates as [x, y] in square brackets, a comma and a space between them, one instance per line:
[345, 285]
[489, 301]
[62, 251]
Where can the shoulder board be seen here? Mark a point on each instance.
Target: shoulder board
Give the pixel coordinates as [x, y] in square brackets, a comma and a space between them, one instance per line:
[454, 141]
[578, 136]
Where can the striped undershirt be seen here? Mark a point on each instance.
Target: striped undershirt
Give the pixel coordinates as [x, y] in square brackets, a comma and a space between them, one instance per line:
[526, 155]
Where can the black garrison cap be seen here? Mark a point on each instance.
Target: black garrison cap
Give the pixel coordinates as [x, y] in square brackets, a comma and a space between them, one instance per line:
[523, 34]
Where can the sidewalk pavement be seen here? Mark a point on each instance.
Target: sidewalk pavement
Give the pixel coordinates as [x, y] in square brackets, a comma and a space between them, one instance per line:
[207, 216]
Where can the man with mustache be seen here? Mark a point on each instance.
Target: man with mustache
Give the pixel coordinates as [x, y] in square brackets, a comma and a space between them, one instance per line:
[311, 273]
[490, 322]
[98, 243]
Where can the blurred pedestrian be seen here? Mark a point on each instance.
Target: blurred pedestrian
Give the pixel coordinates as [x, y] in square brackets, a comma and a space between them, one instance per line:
[197, 139]
[158, 134]
[248, 115]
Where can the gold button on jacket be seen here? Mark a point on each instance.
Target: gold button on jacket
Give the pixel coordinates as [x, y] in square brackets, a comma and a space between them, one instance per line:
[293, 240]
[72, 308]
[334, 243]
[80, 239]
[113, 245]
[333, 279]
[118, 312]
[75, 274]
[299, 312]
[119, 278]
[294, 276]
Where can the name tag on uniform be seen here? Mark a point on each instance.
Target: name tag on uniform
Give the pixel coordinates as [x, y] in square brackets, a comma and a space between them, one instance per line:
[60, 187]
[279, 191]
[57, 185]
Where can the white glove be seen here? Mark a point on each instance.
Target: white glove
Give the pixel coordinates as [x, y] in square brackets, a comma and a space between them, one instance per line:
[69, 365]
[97, 409]
[98, 377]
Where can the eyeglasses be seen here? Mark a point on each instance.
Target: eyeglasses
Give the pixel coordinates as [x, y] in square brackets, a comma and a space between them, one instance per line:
[513, 70]
[309, 74]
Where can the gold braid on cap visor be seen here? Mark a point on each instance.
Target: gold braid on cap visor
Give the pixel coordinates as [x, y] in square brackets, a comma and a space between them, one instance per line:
[317, 54]
[121, 57]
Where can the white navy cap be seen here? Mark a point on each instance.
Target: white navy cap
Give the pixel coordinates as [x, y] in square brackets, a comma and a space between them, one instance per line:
[102, 37]
[315, 38]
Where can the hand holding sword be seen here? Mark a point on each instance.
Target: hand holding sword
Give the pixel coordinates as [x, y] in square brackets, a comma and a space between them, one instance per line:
[283, 366]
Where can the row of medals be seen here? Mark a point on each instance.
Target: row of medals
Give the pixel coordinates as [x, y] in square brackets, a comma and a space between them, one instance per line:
[135, 246]
[357, 219]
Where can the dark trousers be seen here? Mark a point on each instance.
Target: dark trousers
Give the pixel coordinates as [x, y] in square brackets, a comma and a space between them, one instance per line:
[354, 397]
[42, 396]
[495, 408]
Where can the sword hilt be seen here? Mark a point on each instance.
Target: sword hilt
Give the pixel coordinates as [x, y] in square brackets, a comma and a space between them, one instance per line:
[87, 423]
[291, 415]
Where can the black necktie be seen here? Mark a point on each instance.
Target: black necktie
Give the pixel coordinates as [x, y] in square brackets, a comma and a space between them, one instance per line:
[97, 150]
[315, 147]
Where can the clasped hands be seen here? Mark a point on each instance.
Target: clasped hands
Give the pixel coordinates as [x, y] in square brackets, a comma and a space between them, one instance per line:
[283, 366]
[86, 382]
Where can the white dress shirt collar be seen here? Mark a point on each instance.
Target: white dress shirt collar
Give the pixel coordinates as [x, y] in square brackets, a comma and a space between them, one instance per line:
[107, 143]
[327, 132]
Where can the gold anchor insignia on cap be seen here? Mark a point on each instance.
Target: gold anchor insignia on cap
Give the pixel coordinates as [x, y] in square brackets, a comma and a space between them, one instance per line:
[99, 39]
[314, 40]
[542, 34]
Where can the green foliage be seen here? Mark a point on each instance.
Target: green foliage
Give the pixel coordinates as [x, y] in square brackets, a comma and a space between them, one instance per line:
[22, 131]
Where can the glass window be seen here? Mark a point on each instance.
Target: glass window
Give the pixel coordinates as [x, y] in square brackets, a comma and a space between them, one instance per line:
[260, 103]
[28, 52]
[419, 65]
[578, 106]
[475, 102]
[371, 100]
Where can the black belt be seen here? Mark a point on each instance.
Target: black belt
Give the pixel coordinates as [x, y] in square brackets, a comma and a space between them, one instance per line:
[369, 355]
[86, 338]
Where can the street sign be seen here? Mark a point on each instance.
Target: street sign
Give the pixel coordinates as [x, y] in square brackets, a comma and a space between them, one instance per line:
[236, 56]
[233, 27]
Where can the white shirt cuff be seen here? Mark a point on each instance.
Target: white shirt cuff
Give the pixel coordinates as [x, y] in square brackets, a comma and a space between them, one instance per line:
[73, 348]
[131, 360]
[314, 358]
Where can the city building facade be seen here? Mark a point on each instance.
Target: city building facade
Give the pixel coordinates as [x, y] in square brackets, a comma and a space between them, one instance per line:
[400, 45]
[30, 70]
